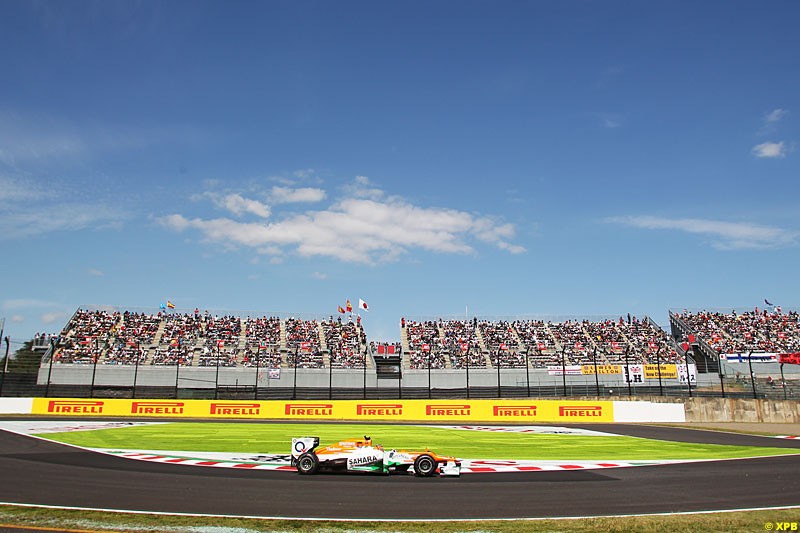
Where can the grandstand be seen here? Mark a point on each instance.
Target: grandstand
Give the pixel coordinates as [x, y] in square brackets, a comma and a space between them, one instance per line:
[727, 335]
[118, 348]
[509, 343]
[113, 337]
[161, 338]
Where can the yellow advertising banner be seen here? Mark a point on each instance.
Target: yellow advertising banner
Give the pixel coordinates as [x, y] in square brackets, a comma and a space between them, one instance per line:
[601, 369]
[499, 410]
[667, 372]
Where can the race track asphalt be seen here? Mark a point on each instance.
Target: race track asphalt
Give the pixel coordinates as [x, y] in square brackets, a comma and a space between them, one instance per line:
[34, 471]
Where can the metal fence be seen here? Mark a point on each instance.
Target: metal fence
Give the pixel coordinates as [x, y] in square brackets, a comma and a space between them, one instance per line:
[127, 381]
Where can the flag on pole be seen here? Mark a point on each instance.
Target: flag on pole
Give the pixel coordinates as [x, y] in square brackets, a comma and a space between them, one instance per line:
[363, 305]
[349, 307]
[767, 302]
[170, 305]
[341, 309]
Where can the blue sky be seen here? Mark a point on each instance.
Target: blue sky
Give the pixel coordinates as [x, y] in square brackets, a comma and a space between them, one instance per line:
[515, 158]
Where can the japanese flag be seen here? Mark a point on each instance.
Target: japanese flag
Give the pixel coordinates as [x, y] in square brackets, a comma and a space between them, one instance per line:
[363, 305]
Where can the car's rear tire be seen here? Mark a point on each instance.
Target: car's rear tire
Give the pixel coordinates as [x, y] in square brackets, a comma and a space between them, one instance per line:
[308, 464]
[424, 465]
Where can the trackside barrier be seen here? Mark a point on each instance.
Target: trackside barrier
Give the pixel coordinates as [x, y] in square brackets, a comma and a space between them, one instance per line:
[487, 411]
[16, 406]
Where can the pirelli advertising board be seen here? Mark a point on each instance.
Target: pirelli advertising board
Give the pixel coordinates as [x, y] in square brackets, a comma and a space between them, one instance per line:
[400, 410]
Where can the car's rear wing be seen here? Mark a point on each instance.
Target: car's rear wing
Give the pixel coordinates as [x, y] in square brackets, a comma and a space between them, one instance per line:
[301, 445]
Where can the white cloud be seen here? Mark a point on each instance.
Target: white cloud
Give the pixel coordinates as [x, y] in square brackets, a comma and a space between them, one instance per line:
[770, 149]
[17, 319]
[319, 275]
[19, 221]
[357, 229]
[775, 115]
[20, 190]
[95, 272]
[55, 316]
[29, 137]
[361, 187]
[238, 205]
[287, 195]
[771, 120]
[26, 303]
[724, 235]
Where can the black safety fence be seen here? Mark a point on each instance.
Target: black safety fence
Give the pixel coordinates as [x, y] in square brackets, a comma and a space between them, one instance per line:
[116, 381]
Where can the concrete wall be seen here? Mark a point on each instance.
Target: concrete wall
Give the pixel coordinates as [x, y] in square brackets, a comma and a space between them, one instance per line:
[733, 409]
[741, 410]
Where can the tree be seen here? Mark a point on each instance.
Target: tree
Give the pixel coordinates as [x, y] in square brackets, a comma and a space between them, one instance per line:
[24, 360]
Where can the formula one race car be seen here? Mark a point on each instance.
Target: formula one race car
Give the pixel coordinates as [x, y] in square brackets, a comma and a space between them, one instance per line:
[360, 455]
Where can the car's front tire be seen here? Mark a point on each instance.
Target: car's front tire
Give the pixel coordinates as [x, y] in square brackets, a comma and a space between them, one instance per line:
[424, 465]
[308, 464]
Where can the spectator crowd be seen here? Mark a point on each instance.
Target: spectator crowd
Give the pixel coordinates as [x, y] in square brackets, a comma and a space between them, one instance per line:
[167, 338]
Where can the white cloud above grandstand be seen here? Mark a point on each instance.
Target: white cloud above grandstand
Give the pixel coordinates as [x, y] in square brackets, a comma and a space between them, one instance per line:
[18, 190]
[42, 311]
[771, 149]
[286, 195]
[25, 303]
[775, 115]
[358, 229]
[238, 205]
[54, 317]
[724, 235]
[19, 221]
[361, 187]
[53, 139]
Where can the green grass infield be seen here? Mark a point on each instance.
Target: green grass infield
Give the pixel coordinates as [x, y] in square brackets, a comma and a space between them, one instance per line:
[269, 438]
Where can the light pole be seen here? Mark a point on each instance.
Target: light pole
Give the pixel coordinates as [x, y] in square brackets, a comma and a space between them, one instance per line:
[469, 347]
[628, 372]
[365, 372]
[497, 360]
[658, 366]
[50, 369]
[95, 357]
[258, 357]
[216, 378]
[294, 387]
[178, 370]
[136, 369]
[783, 381]
[752, 377]
[527, 373]
[330, 376]
[429, 372]
[400, 374]
[5, 368]
[596, 378]
[564, 370]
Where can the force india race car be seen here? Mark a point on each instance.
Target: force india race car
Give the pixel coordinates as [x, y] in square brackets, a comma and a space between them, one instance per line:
[360, 455]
